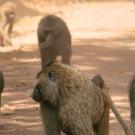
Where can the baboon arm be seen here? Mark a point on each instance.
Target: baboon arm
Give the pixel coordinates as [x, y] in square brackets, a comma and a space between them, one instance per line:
[117, 114]
[50, 119]
[48, 42]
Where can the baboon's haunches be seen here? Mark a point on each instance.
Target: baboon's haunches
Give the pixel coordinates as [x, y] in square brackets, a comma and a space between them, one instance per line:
[54, 40]
[1, 85]
[80, 106]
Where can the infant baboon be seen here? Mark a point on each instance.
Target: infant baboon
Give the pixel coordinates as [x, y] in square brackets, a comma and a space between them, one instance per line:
[81, 107]
[132, 104]
[54, 40]
[99, 81]
[7, 13]
[1, 85]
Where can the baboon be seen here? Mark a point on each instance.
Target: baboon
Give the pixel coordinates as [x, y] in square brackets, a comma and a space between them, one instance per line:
[1, 85]
[7, 17]
[7, 13]
[132, 104]
[99, 81]
[4, 39]
[81, 108]
[54, 40]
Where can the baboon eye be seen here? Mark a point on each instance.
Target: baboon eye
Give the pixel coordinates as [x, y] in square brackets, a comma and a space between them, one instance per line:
[38, 86]
[51, 76]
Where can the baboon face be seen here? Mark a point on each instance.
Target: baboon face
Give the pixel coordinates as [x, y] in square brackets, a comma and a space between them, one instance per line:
[46, 36]
[52, 82]
[46, 89]
[10, 15]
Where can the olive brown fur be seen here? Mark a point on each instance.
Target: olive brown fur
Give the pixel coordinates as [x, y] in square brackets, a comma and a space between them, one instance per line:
[80, 105]
[54, 39]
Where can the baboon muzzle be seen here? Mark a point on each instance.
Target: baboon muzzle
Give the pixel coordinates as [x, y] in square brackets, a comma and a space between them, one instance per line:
[36, 94]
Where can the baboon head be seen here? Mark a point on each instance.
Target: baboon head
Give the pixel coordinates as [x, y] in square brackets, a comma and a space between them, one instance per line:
[55, 80]
[46, 32]
[9, 10]
[98, 80]
[46, 89]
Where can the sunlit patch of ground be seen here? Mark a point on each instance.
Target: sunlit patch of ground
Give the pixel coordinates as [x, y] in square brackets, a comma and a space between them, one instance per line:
[103, 36]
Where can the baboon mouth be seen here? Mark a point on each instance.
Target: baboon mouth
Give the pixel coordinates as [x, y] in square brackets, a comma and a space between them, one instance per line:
[37, 99]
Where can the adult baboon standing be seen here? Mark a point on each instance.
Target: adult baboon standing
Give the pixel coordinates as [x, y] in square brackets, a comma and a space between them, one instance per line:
[8, 13]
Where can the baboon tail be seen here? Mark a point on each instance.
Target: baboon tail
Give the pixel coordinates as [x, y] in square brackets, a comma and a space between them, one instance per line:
[132, 104]
[1, 82]
[98, 81]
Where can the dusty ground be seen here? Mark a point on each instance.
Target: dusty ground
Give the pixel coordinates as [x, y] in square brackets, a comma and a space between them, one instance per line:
[103, 42]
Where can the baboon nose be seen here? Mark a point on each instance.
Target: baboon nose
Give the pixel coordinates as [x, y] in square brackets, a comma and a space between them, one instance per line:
[36, 96]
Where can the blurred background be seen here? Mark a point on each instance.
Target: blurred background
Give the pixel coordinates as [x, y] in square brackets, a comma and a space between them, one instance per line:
[103, 41]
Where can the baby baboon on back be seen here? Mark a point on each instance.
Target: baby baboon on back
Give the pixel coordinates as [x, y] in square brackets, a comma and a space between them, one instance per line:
[1, 85]
[99, 81]
[54, 40]
[8, 11]
[81, 107]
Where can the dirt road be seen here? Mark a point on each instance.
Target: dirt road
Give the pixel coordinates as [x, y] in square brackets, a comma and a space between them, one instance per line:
[103, 42]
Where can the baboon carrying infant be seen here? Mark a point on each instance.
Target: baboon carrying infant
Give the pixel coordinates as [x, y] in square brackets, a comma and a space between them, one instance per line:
[7, 17]
[54, 40]
[80, 105]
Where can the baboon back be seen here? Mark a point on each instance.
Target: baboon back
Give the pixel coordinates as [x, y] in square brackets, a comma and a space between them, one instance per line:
[54, 40]
[82, 108]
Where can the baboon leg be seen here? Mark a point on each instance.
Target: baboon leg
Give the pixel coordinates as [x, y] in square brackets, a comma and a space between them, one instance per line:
[0, 100]
[66, 59]
[46, 57]
[81, 127]
[1, 40]
[50, 119]
[10, 27]
[102, 128]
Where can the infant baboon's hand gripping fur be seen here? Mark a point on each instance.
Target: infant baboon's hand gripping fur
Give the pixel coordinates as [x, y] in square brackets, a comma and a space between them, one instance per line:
[80, 106]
